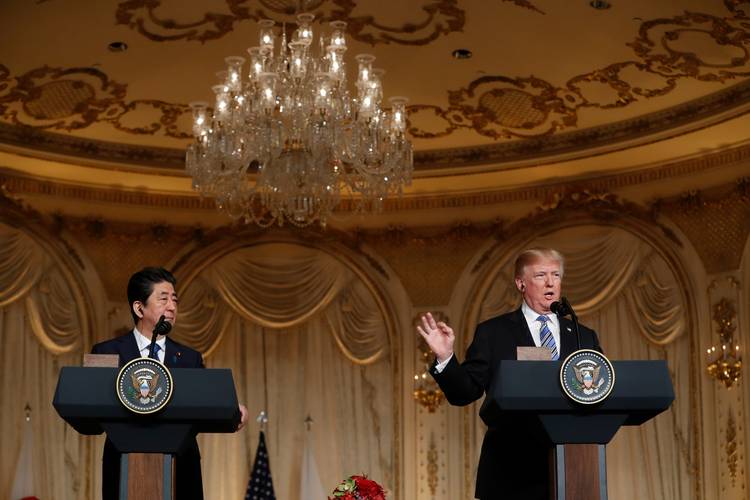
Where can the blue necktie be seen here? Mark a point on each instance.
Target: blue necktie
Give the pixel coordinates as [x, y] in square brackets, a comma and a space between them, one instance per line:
[547, 339]
[155, 354]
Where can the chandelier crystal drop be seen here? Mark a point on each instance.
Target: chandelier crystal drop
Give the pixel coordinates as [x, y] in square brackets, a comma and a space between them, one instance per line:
[290, 120]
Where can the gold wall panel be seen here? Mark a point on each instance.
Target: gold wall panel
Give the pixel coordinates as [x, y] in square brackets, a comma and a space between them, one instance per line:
[118, 249]
[716, 223]
[428, 266]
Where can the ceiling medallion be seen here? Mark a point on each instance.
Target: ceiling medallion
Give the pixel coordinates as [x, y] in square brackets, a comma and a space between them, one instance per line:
[293, 123]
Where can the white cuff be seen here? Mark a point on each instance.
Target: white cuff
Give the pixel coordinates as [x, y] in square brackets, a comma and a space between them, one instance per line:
[441, 366]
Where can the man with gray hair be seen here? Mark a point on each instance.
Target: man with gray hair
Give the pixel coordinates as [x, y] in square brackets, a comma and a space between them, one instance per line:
[514, 462]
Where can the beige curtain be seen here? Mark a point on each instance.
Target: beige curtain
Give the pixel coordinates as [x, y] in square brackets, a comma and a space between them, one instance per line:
[623, 289]
[303, 335]
[40, 331]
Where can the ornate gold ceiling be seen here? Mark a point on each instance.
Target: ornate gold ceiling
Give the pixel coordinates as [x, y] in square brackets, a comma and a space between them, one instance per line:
[548, 82]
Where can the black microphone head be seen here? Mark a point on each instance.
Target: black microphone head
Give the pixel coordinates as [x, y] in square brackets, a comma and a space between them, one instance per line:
[162, 327]
[561, 308]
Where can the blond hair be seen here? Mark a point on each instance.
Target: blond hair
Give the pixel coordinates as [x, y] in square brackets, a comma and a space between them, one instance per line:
[534, 255]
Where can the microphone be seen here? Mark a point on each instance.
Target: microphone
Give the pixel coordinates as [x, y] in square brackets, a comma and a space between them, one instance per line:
[162, 327]
[559, 309]
[563, 308]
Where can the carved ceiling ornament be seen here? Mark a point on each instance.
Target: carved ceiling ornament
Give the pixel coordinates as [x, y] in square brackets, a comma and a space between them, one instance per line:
[504, 108]
[528, 117]
[147, 17]
[69, 99]
[526, 4]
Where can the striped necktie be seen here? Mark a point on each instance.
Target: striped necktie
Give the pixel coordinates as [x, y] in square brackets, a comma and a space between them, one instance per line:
[155, 355]
[548, 340]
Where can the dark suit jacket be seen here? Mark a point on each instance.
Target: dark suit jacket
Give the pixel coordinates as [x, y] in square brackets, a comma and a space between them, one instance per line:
[514, 462]
[188, 480]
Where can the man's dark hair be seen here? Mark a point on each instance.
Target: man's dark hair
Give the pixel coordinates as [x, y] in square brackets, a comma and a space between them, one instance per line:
[141, 285]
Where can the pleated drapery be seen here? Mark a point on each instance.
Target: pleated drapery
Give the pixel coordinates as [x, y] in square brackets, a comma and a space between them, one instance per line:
[303, 335]
[280, 286]
[40, 331]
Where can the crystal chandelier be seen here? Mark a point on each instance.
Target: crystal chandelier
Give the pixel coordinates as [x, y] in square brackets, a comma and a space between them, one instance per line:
[291, 121]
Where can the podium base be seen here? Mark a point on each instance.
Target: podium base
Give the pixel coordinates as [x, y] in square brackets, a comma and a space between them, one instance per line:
[146, 476]
[579, 471]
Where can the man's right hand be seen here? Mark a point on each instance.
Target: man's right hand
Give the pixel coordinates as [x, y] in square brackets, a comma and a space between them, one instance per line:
[438, 335]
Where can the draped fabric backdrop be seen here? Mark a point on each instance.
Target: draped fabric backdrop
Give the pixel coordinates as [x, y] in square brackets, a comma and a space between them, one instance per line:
[623, 289]
[303, 336]
[40, 331]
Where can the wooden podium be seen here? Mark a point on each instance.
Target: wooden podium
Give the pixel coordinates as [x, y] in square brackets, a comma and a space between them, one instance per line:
[578, 433]
[203, 400]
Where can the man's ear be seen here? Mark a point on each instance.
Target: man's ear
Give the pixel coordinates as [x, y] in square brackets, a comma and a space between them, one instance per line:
[138, 308]
[520, 285]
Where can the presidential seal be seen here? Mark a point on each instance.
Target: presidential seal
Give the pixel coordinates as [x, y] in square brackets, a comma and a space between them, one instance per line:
[144, 385]
[587, 377]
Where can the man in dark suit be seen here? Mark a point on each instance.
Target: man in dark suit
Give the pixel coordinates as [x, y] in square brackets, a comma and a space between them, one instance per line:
[151, 294]
[514, 462]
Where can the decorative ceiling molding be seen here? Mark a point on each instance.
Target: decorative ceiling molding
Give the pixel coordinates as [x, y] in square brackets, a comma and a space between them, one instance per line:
[719, 106]
[524, 114]
[154, 21]
[526, 4]
[529, 118]
[39, 143]
[502, 107]
[70, 99]
[19, 185]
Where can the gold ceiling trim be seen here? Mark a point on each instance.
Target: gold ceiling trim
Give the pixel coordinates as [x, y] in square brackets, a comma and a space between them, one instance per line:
[38, 142]
[18, 184]
[439, 18]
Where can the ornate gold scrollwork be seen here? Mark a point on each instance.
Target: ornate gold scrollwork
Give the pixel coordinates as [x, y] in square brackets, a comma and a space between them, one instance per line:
[725, 362]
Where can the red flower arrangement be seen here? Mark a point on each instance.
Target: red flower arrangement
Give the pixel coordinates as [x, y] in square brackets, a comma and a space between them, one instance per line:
[358, 488]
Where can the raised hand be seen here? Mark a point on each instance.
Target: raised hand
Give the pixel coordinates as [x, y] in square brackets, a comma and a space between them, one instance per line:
[438, 335]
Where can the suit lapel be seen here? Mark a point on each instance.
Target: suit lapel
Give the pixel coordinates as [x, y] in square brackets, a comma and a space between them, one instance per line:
[521, 332]
[567, 338]
[128, 348]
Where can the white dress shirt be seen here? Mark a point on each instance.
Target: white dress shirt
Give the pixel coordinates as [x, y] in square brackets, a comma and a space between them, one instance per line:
[535, 326]
[144, 343]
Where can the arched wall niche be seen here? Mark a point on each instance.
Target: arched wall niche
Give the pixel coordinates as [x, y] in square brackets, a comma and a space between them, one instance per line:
[494, 262]
[48, 312]
[357, 398]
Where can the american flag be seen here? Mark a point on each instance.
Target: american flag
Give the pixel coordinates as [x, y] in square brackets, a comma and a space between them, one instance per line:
[260, 486]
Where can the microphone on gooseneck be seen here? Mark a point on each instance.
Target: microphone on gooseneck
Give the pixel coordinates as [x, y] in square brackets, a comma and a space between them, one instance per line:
[563, 308]
[162, 327]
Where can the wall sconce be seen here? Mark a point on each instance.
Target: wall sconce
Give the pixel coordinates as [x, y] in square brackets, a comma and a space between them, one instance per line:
[725, 361]
[426, 391]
